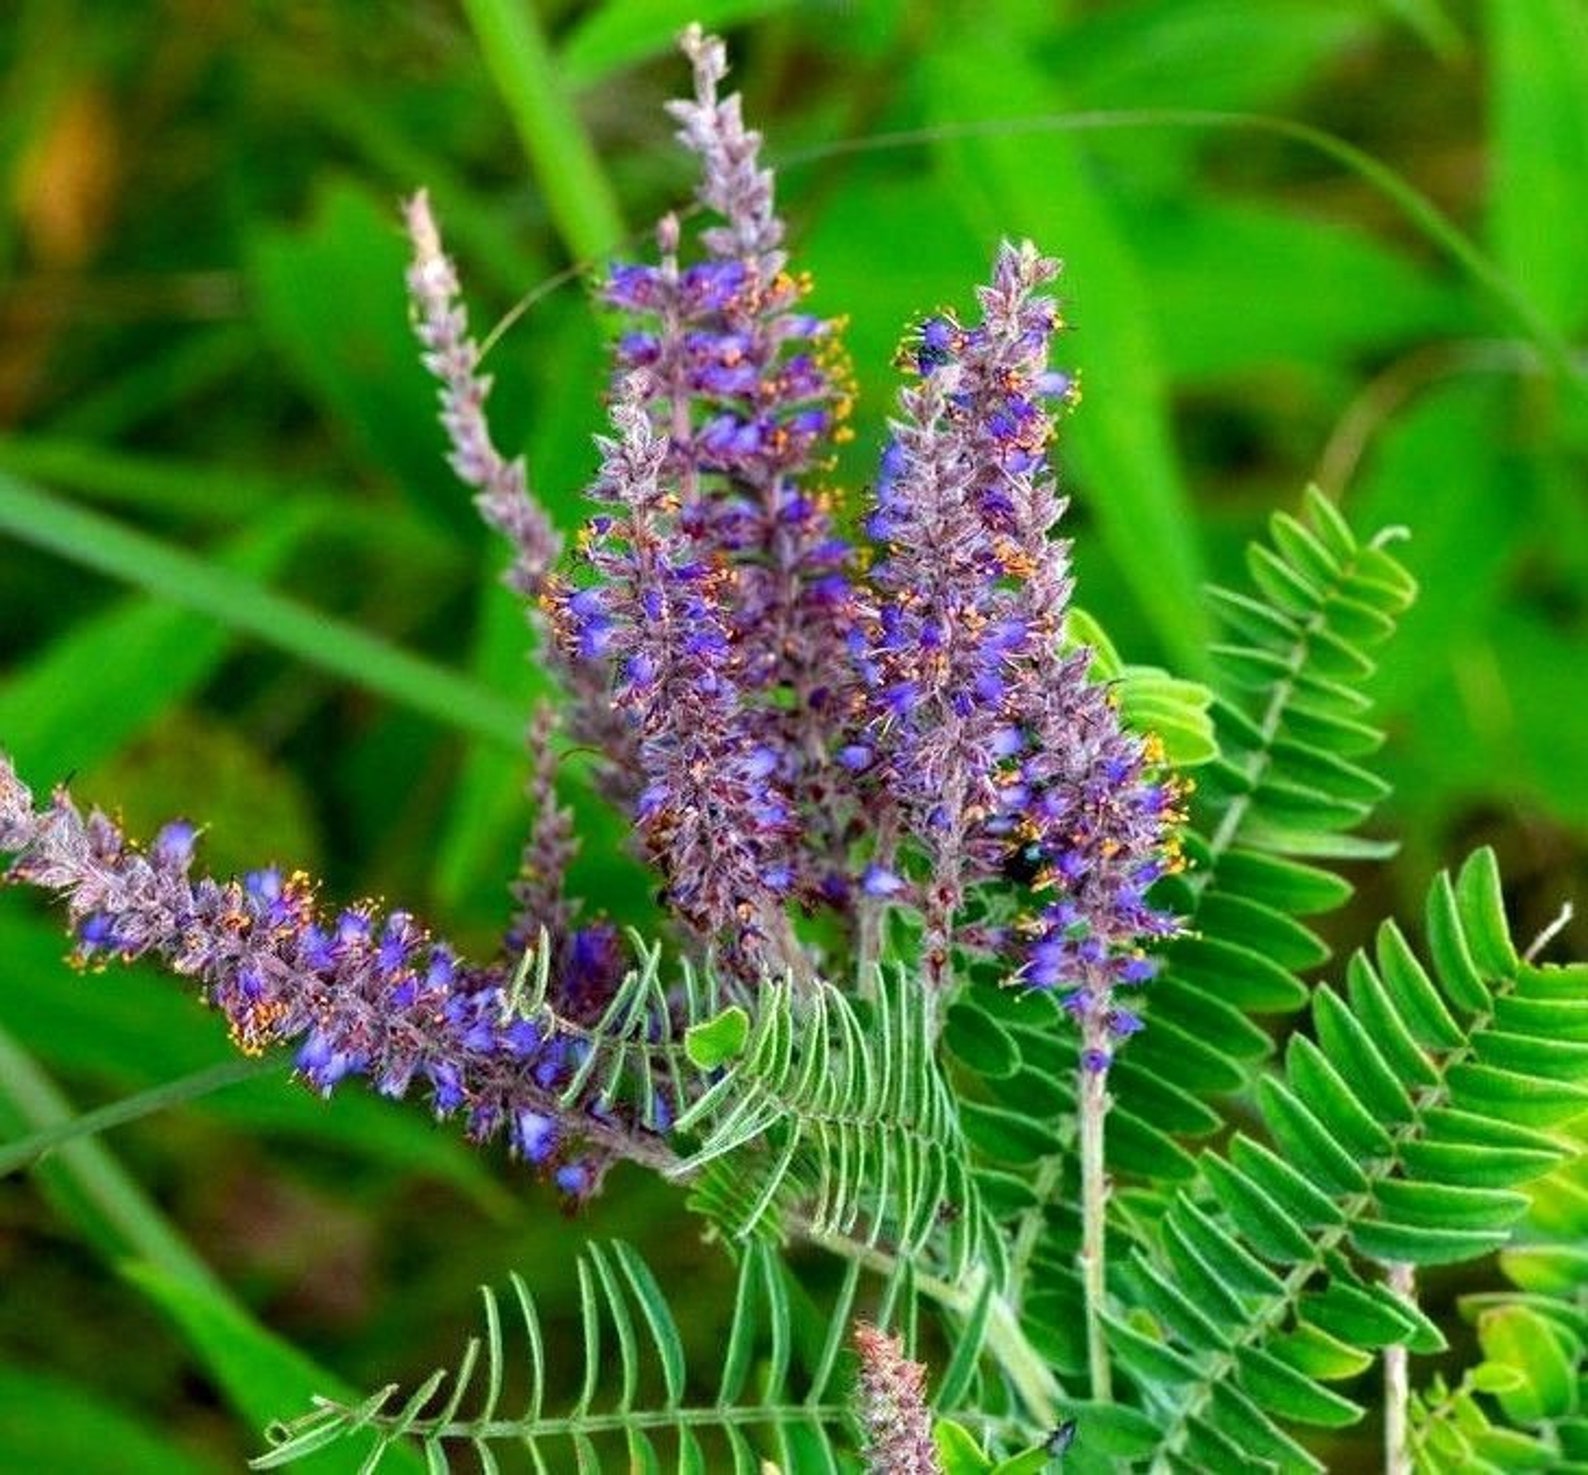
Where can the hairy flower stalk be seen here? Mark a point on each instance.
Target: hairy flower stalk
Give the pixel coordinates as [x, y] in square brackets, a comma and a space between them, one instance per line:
[892, 1408]
[360, 994]
[541, 901]
[502, 493]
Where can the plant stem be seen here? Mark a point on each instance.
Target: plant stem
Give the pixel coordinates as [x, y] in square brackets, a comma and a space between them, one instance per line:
[1399, 1276]
[111, 1208]
[1026, 1368]
[1092, 1105]
[579, 196]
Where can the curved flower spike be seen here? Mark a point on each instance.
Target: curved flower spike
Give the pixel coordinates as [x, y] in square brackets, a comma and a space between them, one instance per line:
[361, 994]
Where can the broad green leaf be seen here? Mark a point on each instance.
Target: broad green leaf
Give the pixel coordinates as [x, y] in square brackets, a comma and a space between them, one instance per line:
[1160, 1100]
[1308, 1142]
[1281, 1389]
[1178, 1055]
[1138, 1147]
[1520, 1339]
[1317, 1354]
[1260, 928]
[1120, 441]
[957, 1450]
[718, 1040]
[1241, 975]
[1552, 1019]
[1296, 1193]
[1202, 254]
[1159, 1293]
[1248, 1428]
[1447, 942]
[1463, 1163]
[1435, 1204]
[1418, 1244]
[1417, 1003]
[1148, 1358]
[1516, 1097]
[1328, 1095]
[1265, 1223]
[1033, 1461]
[1007, 1136]
[1175, 712]
[1202, 1014]
[47, 1423]
[1553, 1270]
[1287, 885]
[1359, 1319]
[1351, 1049]
[1113, 1429]
[1480, 903]
[1382, 1020]
[1561, 1060]
[1538, 97]
[1224, 1252]
[980, 1041]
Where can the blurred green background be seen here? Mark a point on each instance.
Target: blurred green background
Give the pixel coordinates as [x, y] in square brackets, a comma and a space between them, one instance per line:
[237, 581]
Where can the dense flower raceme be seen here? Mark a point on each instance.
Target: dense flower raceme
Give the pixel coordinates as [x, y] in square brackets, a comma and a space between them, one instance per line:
[786, 732]
[1004, 762]
[361, 994]
[723, 601]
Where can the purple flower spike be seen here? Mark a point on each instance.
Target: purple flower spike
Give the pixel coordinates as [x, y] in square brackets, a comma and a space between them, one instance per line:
[723, 603]
[380, 1001]
[1004, 762]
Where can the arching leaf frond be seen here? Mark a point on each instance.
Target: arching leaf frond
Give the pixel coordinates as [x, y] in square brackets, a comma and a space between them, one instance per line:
[631, 1400]
[1402, 1129]
[1270, 814]
[836, 1110]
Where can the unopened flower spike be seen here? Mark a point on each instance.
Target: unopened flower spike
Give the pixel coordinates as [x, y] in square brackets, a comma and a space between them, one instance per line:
[501, 486]
[890, 1402]
[358, 993]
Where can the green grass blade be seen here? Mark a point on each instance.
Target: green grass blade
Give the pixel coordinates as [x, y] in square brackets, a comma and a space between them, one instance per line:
[100, 1197]
[184, 578]
[27, 1150]
[1538, 130]
[578, 194]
